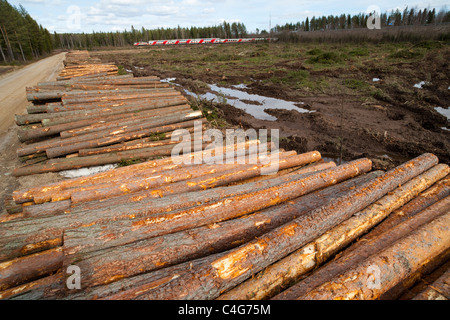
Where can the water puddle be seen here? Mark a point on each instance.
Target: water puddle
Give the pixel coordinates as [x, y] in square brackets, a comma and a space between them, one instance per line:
[169, 80]
[252, 104]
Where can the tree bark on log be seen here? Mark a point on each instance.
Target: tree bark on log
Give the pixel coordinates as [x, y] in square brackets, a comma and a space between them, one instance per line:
[34, 235]
[209, 280]
[44, 288]
[31, 267]
[176, 175]
[394, 263]
[438, 290]
[215, 187]
[358, 252]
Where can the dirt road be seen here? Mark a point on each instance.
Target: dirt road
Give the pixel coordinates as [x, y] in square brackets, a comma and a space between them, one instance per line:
[13, 101]
[12, 87]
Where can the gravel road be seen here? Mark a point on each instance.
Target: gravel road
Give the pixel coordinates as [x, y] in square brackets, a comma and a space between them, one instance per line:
[13, 101]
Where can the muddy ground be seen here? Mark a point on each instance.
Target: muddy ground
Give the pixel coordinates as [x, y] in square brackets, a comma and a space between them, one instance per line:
[388, 121]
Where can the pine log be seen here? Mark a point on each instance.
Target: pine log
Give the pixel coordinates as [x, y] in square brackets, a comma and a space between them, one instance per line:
[131, 287]
[219, 183]
[394, 264]
[365, 247]
[438, 290]
[124, 186]
[21, 196]
[34, 235]
[44, 288]
[155, 179]
[31, 267]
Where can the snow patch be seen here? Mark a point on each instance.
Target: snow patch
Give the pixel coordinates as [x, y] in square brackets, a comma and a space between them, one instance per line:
[83, 172]
[420, 84]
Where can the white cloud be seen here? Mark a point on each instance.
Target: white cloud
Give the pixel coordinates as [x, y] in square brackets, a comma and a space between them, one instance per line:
[111, 15]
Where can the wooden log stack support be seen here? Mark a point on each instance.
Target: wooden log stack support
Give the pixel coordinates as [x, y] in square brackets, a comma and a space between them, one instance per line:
[168, 229]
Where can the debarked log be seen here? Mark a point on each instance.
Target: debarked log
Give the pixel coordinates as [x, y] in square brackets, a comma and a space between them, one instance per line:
[210, 280]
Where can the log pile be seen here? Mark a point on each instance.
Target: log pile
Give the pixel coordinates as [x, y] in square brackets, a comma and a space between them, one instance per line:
[186, 228]
[91, 121]
[80, 57]
[79, 64]
[157, 230]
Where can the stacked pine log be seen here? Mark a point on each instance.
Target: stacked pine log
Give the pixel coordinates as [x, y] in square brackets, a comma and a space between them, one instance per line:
[80, 64]
[91, 121]
[80, 57]
[166, 229]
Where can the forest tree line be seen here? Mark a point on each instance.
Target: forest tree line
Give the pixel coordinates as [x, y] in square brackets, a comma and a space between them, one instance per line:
[411, 16]
[407, 17]
[21, 37]
[129, 37]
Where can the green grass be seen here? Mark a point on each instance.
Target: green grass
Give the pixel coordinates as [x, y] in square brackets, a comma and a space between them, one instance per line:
[406, 54]
[128, 162]
[121, 70]
[328, 58]
[359, 52]
[356, 84]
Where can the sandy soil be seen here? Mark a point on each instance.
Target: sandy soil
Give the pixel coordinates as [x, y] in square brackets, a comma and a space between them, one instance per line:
[13, 98]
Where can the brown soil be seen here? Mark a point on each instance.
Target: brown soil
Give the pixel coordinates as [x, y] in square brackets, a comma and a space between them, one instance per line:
[392, 124]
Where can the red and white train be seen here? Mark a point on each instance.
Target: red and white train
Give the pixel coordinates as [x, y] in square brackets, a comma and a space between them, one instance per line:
[198, 41]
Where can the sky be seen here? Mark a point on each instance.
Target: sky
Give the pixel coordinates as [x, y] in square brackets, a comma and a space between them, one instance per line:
[118, 15]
